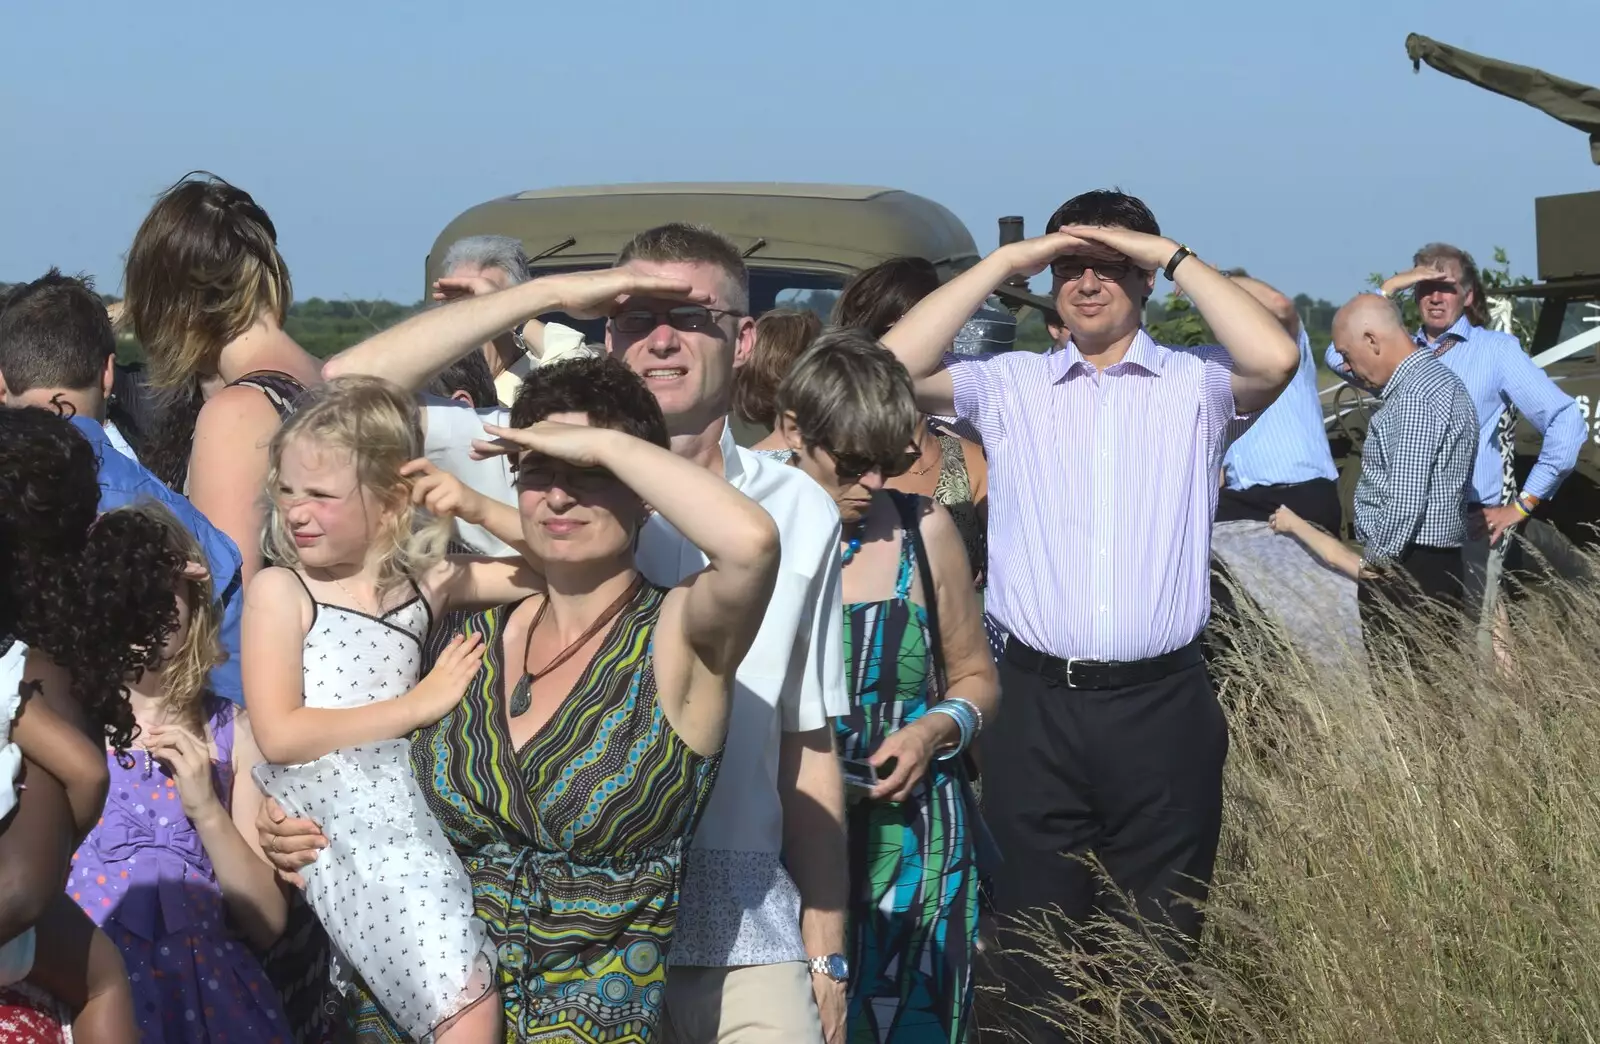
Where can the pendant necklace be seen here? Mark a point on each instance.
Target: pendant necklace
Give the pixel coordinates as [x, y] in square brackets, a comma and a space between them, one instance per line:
[522, 695]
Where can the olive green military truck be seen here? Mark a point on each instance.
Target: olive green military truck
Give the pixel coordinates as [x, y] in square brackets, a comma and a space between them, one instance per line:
[800, 242]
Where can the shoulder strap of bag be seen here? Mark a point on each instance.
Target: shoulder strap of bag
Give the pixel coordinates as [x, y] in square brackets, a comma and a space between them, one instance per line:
[911, 509]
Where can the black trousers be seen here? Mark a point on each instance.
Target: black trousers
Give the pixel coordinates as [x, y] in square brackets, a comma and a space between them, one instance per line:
[1131, 777]
[1422, 589]
[1316, 501]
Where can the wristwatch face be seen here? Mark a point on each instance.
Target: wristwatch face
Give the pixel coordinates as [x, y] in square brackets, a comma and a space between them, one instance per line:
[838, 969]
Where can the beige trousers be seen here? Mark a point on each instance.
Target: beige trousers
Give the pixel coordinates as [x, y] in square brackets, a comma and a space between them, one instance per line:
[752, 1004]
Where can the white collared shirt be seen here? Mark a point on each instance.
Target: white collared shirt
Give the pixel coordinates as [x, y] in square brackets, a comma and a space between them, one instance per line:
[738, 905]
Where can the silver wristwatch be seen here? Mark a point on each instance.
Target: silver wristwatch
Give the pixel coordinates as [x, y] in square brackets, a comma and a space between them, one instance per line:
[834, 966]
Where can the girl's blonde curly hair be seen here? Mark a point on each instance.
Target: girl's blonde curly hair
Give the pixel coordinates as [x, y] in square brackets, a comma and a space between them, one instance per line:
[377, 424]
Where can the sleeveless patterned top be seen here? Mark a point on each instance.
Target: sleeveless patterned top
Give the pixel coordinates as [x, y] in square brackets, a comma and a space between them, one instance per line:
[575, 841]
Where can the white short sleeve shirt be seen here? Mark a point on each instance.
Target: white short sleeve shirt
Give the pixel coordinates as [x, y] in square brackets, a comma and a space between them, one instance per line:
[738, 905]
[447, 443]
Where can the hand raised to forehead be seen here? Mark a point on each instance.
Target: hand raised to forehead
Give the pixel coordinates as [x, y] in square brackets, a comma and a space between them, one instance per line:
[600, 293]
[1029, 257]
[577, 444]
[452, 288]
[1148, 252]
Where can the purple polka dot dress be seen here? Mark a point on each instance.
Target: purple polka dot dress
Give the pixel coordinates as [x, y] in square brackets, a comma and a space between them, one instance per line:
[143, 876]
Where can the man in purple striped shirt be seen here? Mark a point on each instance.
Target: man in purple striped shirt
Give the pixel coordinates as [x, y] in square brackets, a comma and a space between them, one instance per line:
[1104, 460]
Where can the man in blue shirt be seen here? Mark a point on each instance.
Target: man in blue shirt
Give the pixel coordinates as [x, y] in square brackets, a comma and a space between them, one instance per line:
[56, 350]
[1498, 375]
[1284, 458]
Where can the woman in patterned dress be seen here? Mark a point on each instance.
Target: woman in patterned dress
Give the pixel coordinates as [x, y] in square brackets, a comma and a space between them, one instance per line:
[921, 684]
[571, 776]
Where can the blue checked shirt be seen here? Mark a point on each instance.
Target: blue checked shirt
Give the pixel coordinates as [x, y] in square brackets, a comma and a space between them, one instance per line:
[1416, 465]
[1288, 443]
[1497, 373]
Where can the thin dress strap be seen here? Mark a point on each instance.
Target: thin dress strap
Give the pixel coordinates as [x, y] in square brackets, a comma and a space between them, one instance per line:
[223, 713]
[282, 390]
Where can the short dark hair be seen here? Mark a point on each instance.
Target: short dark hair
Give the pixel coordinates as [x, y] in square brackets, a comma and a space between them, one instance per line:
[602, 388]
[54, 333]
[781, 336]
[470, 374]
[878, 297]
[693, 244]
[1109, 208]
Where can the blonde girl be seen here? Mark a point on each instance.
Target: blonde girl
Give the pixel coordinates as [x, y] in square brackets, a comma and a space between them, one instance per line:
[332, 641]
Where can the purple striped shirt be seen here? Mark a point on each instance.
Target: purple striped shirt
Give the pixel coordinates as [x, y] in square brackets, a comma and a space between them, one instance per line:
[1101, 492]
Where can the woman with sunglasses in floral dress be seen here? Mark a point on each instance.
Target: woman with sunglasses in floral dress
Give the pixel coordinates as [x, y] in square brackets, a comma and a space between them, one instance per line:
[921, 684]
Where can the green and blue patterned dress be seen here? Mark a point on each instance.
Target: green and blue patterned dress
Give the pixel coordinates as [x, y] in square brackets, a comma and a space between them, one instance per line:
[574, 843]
[913, 874]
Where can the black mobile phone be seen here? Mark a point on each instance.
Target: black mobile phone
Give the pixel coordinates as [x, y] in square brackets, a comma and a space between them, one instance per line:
[858, 774]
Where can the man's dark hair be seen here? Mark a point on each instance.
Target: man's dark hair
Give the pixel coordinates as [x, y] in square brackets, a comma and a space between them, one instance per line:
[880, 296]
[1110, 208]
[603, 388]
[470, 374]
[54, 333]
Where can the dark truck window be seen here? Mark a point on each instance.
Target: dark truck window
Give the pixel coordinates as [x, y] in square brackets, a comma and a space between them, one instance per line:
[769, 289]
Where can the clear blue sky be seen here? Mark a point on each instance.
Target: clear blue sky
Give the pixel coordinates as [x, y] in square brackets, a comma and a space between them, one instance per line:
[1291, 138]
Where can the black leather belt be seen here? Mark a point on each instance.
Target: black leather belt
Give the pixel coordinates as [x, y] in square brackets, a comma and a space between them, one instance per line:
[1101, 674]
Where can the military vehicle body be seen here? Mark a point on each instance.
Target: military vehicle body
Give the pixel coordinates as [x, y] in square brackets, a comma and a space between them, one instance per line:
[801, 242]
[1567, 329]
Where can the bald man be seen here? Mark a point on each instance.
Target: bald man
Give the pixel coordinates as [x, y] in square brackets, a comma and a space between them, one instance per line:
[1416, 473]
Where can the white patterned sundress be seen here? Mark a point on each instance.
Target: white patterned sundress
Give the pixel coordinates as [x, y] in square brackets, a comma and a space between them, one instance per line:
[390, 890]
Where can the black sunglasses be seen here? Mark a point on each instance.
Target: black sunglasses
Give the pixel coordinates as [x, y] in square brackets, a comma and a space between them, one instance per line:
[687, 318]
[852, 466]
[1071, 269]
[1437, 286]
[535, 471]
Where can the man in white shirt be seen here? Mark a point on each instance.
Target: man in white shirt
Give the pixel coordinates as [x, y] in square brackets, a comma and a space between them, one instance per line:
[758, 952]
[58, 350]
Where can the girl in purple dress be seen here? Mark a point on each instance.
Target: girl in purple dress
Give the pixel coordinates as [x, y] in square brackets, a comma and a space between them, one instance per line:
[171, 872]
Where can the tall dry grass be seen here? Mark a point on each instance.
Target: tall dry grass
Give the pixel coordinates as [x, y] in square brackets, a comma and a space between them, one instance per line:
[1414, 859]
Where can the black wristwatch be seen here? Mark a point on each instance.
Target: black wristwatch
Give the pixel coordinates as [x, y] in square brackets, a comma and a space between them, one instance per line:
[1177, 259]
[834, 966]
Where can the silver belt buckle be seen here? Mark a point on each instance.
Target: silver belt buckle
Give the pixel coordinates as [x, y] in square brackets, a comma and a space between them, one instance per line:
[1072, 661]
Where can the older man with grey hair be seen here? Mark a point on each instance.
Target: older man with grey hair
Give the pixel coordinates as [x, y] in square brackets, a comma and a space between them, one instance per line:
[483, 264]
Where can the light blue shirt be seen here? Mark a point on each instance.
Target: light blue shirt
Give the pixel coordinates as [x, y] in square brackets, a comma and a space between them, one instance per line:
[1289, 443]
[124, 481]
[1498, 373]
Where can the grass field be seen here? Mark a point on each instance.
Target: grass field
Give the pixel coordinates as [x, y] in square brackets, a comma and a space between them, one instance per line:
[1414, 860]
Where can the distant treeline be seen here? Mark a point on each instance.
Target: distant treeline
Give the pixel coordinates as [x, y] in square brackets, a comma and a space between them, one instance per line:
[326, 327]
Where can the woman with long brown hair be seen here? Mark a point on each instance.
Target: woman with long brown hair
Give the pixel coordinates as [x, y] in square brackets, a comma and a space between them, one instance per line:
[207, 293]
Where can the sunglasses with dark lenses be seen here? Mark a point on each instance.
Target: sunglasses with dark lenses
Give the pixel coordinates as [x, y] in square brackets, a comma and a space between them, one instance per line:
[1071, 269]
[687, 318]
[537, 472]
[1437, 286]
[852, 466]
